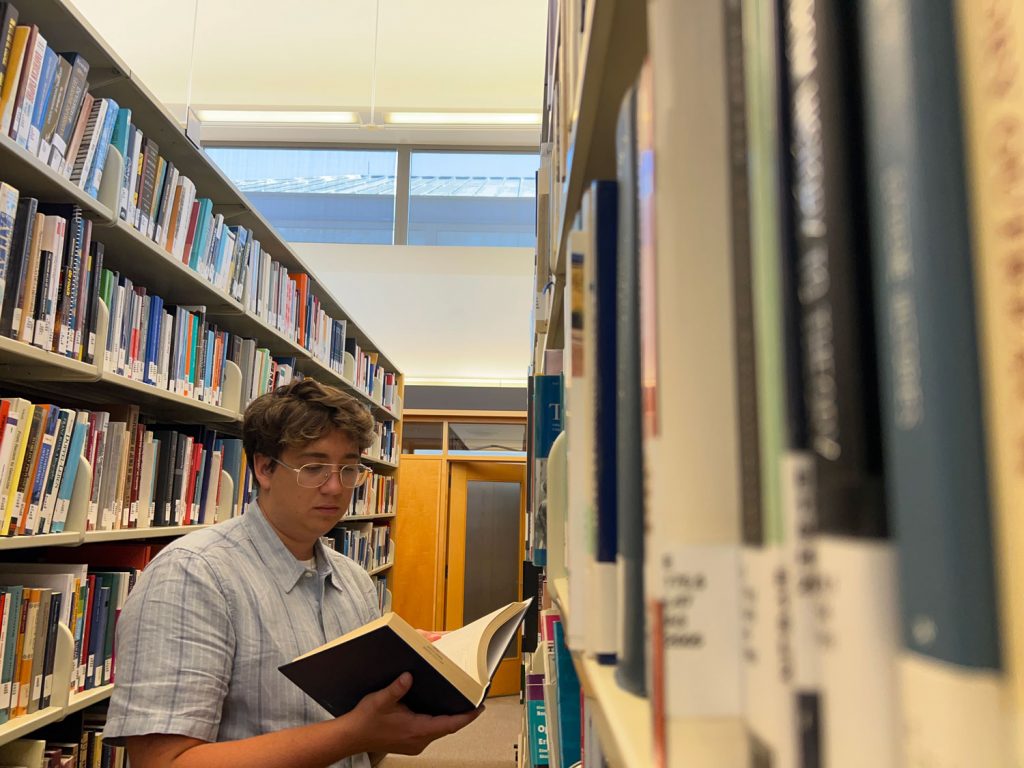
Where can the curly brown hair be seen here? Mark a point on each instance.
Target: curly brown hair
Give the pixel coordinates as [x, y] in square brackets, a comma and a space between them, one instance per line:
[301, 412]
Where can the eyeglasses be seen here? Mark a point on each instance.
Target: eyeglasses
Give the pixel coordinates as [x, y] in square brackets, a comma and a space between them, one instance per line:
[315, 475]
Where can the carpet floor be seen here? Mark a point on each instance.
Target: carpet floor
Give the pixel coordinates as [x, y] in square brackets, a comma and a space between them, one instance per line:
[487, 742]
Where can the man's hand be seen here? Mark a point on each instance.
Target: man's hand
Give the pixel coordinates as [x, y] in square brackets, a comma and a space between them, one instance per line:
[430, 634]
[379, 723]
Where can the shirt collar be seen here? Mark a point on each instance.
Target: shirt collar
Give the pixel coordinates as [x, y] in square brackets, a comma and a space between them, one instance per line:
[287, 570]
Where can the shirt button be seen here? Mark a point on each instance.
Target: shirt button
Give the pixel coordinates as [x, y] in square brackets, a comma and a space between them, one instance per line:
[308, 574]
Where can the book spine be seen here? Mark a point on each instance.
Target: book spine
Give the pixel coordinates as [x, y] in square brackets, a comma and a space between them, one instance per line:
[935, 468]
[69, 112]
[990, 47]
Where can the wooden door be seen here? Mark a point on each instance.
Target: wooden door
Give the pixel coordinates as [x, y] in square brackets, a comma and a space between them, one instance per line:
[487, 513]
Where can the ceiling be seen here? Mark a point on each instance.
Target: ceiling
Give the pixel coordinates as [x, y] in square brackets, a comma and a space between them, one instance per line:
[431, 55]
[443, 315]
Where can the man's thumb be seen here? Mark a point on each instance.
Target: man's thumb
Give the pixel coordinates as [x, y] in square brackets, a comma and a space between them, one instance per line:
[400, 687]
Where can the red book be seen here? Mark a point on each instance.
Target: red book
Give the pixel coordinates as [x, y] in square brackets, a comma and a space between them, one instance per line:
[190, 236]
[190, 493]
[5, 407]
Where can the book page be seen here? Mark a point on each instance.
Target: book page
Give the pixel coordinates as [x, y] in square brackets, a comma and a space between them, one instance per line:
[463, 645]
[496, 648]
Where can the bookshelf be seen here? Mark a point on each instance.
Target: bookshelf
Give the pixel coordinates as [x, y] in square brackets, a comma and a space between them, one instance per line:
[44, 376]
[599, 56]
[612, 45]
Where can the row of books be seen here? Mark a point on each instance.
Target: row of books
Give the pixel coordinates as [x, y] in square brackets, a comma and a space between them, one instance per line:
[385, 446]
[155, 198]
[49, 272]
[377, 496]
[34, 599]
[46, 107]
[797, 413]
[380, 581]
[56, 283]
[79, 747]
[142, 476]
[368, 544]
[381, 386]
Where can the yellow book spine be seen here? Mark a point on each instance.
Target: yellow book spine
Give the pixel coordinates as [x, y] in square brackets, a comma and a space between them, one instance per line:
[10, 86]
[18, 458]
[991, 41]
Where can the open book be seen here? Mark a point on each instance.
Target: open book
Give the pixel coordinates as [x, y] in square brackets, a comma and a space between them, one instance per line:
[449, 676]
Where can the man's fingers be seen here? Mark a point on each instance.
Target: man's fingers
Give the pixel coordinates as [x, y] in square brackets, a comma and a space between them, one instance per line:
[453, 723]
[400, 686]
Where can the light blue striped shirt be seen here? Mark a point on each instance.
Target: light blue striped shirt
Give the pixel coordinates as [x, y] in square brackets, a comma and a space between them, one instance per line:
[202, 635]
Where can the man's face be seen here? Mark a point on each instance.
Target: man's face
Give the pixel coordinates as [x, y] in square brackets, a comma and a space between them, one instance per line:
[304, 514]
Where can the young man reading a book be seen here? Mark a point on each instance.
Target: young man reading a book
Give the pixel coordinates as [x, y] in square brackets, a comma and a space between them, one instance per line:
[202, 635]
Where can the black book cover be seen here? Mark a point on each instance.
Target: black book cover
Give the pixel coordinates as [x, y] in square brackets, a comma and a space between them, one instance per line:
[50, 653]
[72, 104]
[369, 663]
[94, 302]
[17, 262]
[835, 295]
[8, 23]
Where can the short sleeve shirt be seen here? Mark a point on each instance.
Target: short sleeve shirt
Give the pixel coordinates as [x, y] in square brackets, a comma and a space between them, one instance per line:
[211, 619]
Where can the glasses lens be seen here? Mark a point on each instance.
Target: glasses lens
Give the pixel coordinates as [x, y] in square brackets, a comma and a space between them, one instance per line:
[354, 475]
[313, 475]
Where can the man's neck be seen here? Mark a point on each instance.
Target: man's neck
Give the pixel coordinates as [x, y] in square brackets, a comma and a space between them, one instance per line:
[300, 549]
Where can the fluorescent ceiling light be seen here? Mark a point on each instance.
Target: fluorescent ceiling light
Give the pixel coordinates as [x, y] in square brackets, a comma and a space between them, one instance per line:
[274, 116]
[464, 118]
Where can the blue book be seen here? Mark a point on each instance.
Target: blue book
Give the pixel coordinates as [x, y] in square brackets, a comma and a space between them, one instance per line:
[46, 450]
[200, 242]
[933, 435]
[121, 131]
[547, 425]
[567, 685]
[121, 139]
[153, 340]
[10, 640]
[97, 635]
[605, 199]
[67, 480]
[99, 158]
[47, 78]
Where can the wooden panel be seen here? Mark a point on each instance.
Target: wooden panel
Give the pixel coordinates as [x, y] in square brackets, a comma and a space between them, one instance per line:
[506, 679]
[416, 582]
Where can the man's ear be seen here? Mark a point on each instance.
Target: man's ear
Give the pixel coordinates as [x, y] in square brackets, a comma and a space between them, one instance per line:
[263, 467]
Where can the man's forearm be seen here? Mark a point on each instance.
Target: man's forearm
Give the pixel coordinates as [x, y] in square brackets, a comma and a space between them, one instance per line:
[306, 746]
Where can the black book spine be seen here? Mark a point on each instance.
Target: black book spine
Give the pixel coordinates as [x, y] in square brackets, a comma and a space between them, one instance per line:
[21, 241]
[7, 26]
[42, 288]
[94, 302]
[834, 293]
[72, 105]
[50, 654]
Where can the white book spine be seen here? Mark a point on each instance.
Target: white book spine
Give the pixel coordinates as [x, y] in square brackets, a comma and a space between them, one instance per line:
[858, 629]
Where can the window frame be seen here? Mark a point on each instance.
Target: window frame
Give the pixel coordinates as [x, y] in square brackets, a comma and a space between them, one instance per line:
[400, 231]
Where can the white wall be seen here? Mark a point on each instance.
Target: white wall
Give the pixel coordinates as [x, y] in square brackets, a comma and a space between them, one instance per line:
[451, 314]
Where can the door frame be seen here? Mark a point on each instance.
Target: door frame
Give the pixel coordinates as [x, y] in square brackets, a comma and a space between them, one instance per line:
[506, 679]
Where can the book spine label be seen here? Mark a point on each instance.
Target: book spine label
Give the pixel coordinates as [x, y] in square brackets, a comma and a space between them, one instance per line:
[700, 593]
[858, 629]
[766, 653]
